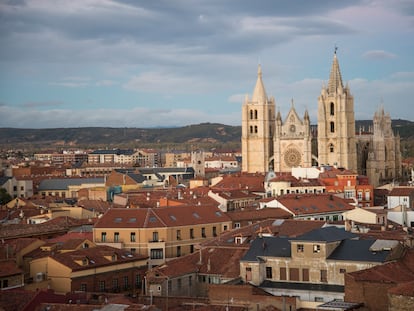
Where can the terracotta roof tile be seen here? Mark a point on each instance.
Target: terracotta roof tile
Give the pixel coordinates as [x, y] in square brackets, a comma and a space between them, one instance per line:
[161, 217]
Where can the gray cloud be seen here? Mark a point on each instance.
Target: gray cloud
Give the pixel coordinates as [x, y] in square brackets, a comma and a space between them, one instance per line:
[378, 54]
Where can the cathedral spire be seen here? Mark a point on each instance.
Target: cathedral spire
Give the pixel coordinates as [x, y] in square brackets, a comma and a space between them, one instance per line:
[335, 78]
[259, 93]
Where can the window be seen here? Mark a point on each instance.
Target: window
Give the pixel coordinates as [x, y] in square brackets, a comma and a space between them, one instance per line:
[283, 274]
[214, 231]
[225, 227]
[126, 282]
[155, 236]
[132, 237]
[178, 251]
[101, 286]
[133, 250]
[157, 253]
[269, 272]
[342, 270]
[203, 232]
[305, 275]
[237, 225]
[248, 274]
[299, 248]
[251, 129]
[190, 281]
[138, 281]
[332, 110]
[115, 284]
[116, 237]
[318, 299]
[255, 114]
[324, 276]
[83, 287]
[294, 274]
[103, 236]
[191, 233]
[5, 284]
[332, 127]
[169, 285]
[191, 248]
[179, 284]
[331, 148]
[316, 248]
[178, 234]
[255, 129]
[359, 196]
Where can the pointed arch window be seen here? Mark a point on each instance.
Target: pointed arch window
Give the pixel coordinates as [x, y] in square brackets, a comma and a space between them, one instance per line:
[251, 129]
[331, 148]
[332, 109]
[255, 114]
[255, 129]
[251, 114]
[332, 127]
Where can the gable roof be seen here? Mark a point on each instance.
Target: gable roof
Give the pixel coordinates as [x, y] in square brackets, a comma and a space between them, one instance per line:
[96, 257]
[309, 204]
[161, 217]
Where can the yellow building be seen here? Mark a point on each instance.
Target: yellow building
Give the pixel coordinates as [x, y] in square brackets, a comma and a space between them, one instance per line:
[160, 233]
[96, 269]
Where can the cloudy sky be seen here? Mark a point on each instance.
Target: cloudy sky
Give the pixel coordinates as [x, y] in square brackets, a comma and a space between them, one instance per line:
[130, 63]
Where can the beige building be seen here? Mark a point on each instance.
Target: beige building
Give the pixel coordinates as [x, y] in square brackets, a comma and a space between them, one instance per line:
[269, 143]
[95, 269]
[312, 266]
[160, 233]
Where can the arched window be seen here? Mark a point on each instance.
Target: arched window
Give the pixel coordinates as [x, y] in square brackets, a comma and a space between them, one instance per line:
[332, 127]
[331, 148]
[251, 129]
[332, 109]
[255, 114]
[255, 128]
[251, 114]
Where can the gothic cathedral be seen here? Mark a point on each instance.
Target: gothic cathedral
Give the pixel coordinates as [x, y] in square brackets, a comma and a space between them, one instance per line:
[270, 143]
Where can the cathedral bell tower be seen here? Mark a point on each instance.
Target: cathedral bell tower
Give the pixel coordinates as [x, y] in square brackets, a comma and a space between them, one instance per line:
[258, 119]
[336, 123]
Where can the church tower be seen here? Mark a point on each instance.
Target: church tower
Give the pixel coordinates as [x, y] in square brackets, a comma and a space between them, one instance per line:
[336, 123]
[258, 119]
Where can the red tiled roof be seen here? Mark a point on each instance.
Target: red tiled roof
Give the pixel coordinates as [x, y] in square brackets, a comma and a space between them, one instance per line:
[96, 257]
[393, 272]
[258, 214]
[402, 191]
[304, 204]
[161, 217]
[252, 182]
[403, 289]
[211, 263]
[9, 268]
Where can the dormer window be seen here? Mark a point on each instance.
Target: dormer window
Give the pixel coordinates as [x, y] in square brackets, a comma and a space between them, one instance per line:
[300, 248]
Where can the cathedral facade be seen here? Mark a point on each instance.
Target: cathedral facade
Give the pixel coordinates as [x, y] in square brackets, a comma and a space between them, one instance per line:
[273, 143]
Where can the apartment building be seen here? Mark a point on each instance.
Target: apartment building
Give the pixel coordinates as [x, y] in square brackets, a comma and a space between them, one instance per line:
[160, 233]
[312, 266]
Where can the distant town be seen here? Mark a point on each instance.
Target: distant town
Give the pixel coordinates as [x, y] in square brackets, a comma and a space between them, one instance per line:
[300, 217]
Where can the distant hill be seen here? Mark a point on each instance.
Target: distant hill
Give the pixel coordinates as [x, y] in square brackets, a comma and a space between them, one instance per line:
[203, 135]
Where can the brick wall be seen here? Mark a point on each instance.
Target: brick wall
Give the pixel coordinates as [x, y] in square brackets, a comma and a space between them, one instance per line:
[372, 294]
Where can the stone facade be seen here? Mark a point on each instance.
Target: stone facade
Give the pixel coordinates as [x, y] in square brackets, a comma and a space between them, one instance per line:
[269, 143]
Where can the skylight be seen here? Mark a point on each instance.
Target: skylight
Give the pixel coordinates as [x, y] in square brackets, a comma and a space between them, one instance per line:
[132, 219]
[118, 219]
[152, 219]
[196, 215]
[173, 217]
